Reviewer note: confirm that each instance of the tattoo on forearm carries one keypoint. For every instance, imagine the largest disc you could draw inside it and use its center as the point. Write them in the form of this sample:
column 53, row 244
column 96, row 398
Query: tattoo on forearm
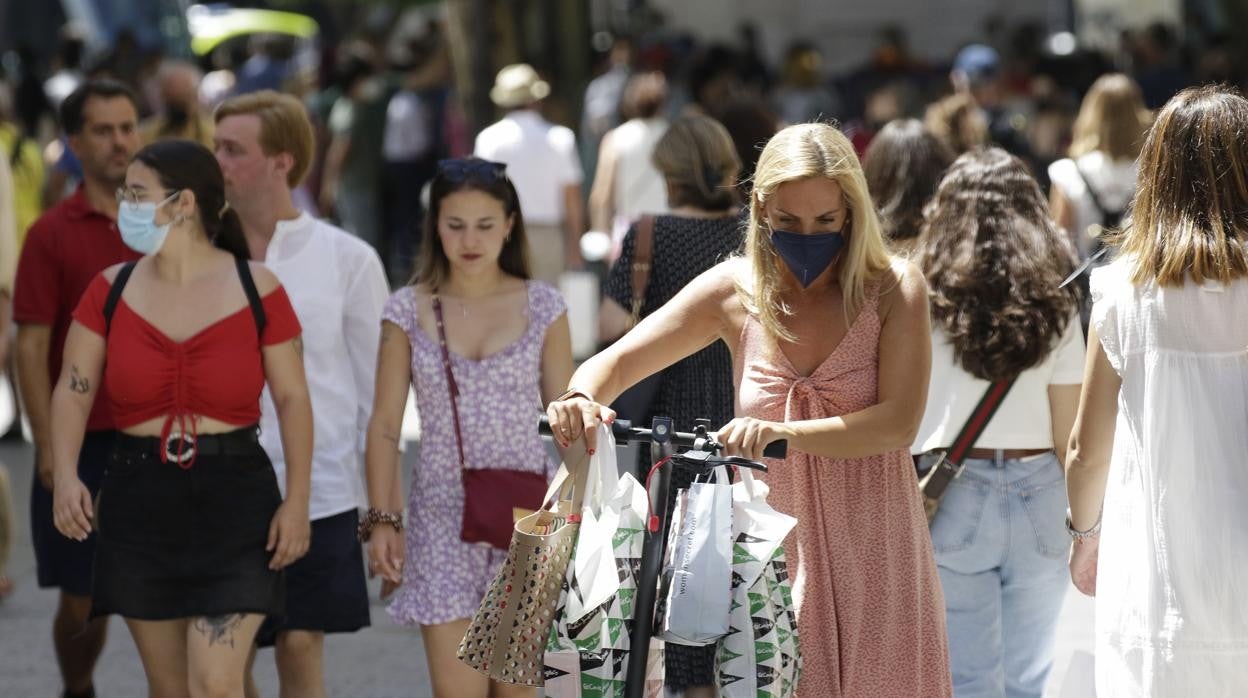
column 77, row 383
column 218, row 629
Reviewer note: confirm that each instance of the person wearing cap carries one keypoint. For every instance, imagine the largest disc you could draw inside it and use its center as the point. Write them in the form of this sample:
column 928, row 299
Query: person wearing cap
column 541, row 159
column 976, row 73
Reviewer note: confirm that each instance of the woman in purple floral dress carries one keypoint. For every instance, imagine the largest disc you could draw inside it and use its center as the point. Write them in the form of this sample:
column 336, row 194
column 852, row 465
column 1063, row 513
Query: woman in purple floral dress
column 510, row 353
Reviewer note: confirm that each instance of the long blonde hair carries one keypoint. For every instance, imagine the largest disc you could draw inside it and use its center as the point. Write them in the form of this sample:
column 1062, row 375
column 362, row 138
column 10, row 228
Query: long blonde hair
column 1189, row 219
column 1112, row 119
column 800, row 152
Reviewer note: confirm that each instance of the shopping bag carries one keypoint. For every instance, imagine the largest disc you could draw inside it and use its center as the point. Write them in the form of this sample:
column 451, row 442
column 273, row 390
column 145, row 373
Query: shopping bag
column 564, row 678
column 593, row 567
column 588, row 648
column 698, row 569
column 759, row 657
column 506, row 637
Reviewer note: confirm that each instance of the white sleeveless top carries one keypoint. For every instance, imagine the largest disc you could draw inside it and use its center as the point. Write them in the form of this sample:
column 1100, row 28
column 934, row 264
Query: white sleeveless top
column 1171, row 615
column 1113, row 181
column 639, row 188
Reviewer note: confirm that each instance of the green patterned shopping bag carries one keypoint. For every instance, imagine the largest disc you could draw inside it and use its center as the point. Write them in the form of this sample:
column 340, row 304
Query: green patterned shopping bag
column 587, row 651
column 759, row 657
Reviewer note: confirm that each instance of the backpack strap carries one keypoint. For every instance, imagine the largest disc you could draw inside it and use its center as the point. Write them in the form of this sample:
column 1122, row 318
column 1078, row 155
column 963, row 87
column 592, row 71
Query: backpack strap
column 1109, row 217
column 253, row 295
column 114, row 294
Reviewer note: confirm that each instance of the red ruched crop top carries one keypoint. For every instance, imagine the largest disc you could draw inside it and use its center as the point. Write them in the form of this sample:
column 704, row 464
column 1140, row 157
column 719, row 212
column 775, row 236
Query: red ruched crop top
column 217, row 373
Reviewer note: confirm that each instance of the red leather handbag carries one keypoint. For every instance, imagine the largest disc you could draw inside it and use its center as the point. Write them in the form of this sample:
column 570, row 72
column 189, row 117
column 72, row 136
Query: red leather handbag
column 494, row 498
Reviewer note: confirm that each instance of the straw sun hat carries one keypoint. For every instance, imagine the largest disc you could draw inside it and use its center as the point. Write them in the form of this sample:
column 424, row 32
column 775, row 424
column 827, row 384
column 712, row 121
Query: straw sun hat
column 518, row 85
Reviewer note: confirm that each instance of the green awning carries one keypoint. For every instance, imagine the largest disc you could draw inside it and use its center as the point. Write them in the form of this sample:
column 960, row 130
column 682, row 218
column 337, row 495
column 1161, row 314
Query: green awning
column 210, row 27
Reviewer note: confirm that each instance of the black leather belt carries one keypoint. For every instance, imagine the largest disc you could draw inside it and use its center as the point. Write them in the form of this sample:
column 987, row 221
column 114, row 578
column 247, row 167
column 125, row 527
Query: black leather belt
column 239, row 441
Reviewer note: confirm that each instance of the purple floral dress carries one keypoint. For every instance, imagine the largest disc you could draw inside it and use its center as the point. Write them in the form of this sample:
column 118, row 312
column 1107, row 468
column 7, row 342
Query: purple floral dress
column 444, row 579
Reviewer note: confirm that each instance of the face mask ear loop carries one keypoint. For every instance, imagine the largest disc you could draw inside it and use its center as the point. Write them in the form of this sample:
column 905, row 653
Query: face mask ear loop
column 173, row 219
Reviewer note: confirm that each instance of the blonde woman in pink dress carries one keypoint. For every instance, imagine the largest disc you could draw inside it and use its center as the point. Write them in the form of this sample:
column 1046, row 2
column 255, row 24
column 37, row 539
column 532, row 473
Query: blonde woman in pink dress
column 831, row 348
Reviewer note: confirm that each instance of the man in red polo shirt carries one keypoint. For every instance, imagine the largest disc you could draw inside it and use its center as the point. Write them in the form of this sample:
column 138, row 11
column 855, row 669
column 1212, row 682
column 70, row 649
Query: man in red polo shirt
column 64, row 250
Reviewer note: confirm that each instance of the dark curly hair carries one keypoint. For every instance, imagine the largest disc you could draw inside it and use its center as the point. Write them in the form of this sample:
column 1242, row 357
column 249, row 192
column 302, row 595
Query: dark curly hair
column 993, row 259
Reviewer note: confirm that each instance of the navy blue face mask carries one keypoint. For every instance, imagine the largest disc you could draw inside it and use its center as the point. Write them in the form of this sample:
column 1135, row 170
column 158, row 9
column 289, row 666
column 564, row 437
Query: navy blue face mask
column 808, row 256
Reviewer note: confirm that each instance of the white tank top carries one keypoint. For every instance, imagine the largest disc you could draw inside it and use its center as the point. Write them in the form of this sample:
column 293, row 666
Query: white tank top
column 639, row 188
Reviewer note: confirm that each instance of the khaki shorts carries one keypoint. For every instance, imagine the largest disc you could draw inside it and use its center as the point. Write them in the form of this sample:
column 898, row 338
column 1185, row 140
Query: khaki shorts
column 546, row 252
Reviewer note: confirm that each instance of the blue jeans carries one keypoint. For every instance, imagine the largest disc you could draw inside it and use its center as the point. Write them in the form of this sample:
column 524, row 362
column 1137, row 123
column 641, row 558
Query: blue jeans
column 1001, row 548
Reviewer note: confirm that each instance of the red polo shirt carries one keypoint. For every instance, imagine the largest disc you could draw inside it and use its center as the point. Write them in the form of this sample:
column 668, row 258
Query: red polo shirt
column 65, row 249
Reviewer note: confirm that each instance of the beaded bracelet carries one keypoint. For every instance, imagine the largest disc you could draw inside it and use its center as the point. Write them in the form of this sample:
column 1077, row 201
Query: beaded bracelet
column 375, row 516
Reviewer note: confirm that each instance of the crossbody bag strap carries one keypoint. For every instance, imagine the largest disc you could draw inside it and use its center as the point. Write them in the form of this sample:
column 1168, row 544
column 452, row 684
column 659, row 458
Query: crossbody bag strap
column 253, row 295
column 643, row 256
column 949, row 466
column 1097, row 203
column 451, row 385
column 114, row 294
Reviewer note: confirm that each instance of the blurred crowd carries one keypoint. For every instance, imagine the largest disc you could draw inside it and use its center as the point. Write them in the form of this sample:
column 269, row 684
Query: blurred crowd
column 386, row 107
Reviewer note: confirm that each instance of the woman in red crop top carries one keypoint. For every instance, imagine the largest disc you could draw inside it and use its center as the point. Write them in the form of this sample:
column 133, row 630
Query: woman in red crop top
column 192, row 529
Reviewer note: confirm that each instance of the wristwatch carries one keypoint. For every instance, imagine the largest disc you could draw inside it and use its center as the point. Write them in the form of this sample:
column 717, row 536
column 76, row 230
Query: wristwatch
column 1078, row 535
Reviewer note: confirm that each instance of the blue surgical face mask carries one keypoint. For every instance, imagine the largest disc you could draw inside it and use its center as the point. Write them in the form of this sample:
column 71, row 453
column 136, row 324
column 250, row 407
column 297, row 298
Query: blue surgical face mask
column 807, row 256
column 137, row 223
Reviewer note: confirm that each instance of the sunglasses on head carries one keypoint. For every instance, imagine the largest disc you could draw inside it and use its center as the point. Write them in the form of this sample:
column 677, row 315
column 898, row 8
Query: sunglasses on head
column 462, row 169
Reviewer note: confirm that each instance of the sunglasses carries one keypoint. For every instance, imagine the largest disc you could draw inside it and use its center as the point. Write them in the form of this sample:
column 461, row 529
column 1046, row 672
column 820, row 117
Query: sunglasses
column 462, row 169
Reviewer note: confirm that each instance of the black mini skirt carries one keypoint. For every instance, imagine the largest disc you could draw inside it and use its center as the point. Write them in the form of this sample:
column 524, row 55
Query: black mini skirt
column 179, row 542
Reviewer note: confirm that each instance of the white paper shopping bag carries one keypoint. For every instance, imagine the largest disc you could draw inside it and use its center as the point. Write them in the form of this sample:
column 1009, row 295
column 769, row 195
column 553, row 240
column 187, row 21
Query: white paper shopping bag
column 699, row 591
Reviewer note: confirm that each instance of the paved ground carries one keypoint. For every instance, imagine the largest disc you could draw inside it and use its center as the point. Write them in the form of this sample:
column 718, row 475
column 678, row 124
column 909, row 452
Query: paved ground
column 383, row 661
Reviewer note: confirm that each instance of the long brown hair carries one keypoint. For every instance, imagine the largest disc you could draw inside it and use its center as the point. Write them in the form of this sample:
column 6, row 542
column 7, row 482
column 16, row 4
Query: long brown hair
column 1112, row 119
column 434, row 267
column 903, row 166
column 994, row 259
column 1189, row 217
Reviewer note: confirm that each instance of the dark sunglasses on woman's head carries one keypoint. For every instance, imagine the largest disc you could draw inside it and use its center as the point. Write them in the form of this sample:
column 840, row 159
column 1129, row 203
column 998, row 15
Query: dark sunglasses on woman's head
column 461, row 169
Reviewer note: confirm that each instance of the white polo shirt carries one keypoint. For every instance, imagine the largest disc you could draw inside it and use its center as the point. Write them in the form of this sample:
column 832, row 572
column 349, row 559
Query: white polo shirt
column 337, row 287
column 541, row 161
column 1022, row 421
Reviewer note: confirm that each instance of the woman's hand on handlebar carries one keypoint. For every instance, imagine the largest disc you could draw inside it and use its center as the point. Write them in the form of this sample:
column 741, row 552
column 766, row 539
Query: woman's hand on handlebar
column 747, row 437
column 576, row 416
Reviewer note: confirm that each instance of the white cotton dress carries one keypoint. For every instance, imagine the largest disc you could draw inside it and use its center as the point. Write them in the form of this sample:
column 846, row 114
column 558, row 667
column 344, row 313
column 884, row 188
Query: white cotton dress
column 1172, row 579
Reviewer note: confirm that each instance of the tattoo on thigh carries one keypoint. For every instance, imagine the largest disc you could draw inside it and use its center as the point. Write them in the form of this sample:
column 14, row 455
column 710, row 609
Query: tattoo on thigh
column 77, row 383
column 218, row 629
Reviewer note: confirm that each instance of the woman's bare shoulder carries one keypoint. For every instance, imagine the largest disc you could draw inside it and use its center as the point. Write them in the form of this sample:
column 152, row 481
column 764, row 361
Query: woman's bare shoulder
column 901, row 283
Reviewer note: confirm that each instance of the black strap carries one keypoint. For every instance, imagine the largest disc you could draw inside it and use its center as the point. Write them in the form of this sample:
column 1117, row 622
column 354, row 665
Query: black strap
column 1109, row 218
column 114, row 294
column 253, row 296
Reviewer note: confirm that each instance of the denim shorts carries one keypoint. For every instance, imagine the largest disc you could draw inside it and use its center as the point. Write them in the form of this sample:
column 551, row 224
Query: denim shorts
column 62, row 562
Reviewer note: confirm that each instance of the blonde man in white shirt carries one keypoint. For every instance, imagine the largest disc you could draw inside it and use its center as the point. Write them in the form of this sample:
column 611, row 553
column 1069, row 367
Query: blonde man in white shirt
column 994, row 261
column 542, row 161
column 264, row 142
